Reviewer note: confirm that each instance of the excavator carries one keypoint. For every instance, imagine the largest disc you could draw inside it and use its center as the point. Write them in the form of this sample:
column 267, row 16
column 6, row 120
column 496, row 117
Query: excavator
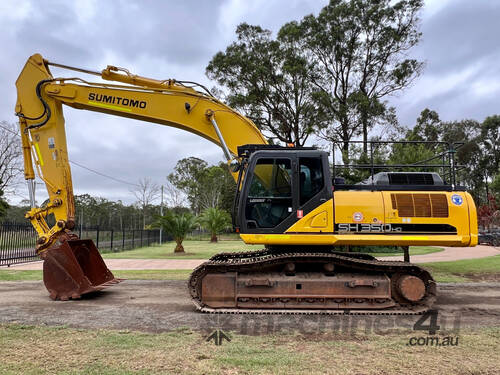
column 286, row 200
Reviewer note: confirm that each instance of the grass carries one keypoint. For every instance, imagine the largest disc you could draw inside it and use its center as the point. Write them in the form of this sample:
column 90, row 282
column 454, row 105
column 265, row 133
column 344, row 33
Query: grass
column 61, row 350
column 466, row 270
column 153, row 274
column 205, row 249
column 414, row 250
column 7, row 274
column 193, row 250
column 22, row 275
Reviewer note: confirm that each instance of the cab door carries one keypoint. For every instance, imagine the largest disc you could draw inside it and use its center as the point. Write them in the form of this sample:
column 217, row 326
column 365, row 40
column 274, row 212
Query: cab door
column 268, row 200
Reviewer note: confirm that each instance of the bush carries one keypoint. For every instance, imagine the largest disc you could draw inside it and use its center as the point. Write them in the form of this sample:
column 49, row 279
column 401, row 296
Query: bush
column 178, row 226
column 215, row 221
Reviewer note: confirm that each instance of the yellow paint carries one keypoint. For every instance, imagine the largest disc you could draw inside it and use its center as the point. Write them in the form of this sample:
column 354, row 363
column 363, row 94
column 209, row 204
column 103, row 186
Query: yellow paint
column 472, row 219
column 355, row 239
column 109, row 106
column 376, row 207
column 40, row 159
column 367, row 203
column 318, row 220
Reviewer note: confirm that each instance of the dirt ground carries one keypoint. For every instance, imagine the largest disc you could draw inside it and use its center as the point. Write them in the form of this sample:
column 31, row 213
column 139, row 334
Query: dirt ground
column 158, row 306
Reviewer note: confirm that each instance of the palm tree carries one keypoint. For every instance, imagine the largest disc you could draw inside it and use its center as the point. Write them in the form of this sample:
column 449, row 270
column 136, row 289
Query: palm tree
column 178, row 226
column 215, row 221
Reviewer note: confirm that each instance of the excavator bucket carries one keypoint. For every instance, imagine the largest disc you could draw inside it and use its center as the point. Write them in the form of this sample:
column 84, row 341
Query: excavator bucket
column 74, row 268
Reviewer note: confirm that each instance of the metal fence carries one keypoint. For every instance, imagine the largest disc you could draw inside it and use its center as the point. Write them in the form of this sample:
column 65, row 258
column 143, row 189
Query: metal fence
column 17, row 241
column 17, row 244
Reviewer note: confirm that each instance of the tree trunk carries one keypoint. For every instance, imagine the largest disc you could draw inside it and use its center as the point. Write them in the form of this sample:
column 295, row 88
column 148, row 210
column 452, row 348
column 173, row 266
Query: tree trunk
column 179, row 248
column 345, row 152
column 213, row 238
column 365, row 134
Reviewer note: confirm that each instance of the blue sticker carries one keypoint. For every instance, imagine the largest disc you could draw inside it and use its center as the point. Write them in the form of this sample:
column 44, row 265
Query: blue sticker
column 457, row 199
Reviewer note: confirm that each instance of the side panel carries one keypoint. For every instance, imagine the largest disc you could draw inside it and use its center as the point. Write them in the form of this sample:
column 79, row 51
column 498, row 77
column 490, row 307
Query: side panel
column 363, row 207
column 383, row 218
column 319, row 220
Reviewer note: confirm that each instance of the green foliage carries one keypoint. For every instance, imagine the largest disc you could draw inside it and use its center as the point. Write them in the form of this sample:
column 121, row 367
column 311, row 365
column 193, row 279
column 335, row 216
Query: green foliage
column 359, row 50
column 228, row 189
column 178, row 226
column 205, row 186
column 412, row 154
column 186, row 177
column 3, row 205
column 270, row 80
column 101, row 212
column 215, row 221
column 495, row 187
column 490, row 139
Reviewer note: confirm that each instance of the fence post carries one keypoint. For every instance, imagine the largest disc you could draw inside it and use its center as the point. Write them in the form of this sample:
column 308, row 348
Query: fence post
column 133, row 237
column 97, row 237
column 142, row 232
column 123, row 239
column 111, row 248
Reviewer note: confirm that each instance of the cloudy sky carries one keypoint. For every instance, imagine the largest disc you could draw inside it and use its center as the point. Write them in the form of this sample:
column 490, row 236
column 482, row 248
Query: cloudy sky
column 176, row 39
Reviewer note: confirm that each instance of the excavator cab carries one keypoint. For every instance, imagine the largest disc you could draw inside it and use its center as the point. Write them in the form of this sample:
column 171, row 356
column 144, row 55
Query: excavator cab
column 281, row 185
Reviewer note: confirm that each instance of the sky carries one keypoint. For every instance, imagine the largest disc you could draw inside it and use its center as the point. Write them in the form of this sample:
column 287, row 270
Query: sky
column 177, row 39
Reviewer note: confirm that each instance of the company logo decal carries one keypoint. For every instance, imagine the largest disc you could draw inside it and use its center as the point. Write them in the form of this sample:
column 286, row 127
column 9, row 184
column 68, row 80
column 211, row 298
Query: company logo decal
column 357, row 216
column 457, row 200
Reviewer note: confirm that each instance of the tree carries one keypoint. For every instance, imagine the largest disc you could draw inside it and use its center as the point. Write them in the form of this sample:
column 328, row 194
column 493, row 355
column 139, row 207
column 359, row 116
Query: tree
column 490, row 140
column 270, row 80
column 205, row 186
column 174, row 197
column 212, row 186
column 10, row 156
column 427, row 128
column 228, row 189
column 215, row 221
column 186, row 177
column 3, row 205
column 178, row 226
column 495, row 187
column 487, row 213
column 146, row 192
column 359, row 48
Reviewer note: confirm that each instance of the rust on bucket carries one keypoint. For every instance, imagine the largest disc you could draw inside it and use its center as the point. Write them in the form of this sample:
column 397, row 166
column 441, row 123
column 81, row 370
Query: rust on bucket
column 73, row 268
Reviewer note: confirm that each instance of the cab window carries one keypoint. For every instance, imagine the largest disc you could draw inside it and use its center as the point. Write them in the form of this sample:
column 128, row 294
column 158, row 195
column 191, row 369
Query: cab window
column 269, row 199
column 311, row 178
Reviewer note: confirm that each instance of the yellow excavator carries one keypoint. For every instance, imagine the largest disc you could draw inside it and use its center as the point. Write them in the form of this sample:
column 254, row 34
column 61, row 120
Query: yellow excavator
column 285, row 200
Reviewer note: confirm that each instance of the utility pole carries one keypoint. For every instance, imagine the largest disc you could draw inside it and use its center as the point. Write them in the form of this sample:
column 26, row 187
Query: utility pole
column 81, row 220
column 161, row 213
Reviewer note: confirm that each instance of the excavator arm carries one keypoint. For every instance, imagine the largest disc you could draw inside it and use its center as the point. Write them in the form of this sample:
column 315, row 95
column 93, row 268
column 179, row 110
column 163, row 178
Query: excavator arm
column 168, row 102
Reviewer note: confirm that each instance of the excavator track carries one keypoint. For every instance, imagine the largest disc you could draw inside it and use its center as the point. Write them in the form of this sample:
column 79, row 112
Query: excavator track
column 261, row 271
